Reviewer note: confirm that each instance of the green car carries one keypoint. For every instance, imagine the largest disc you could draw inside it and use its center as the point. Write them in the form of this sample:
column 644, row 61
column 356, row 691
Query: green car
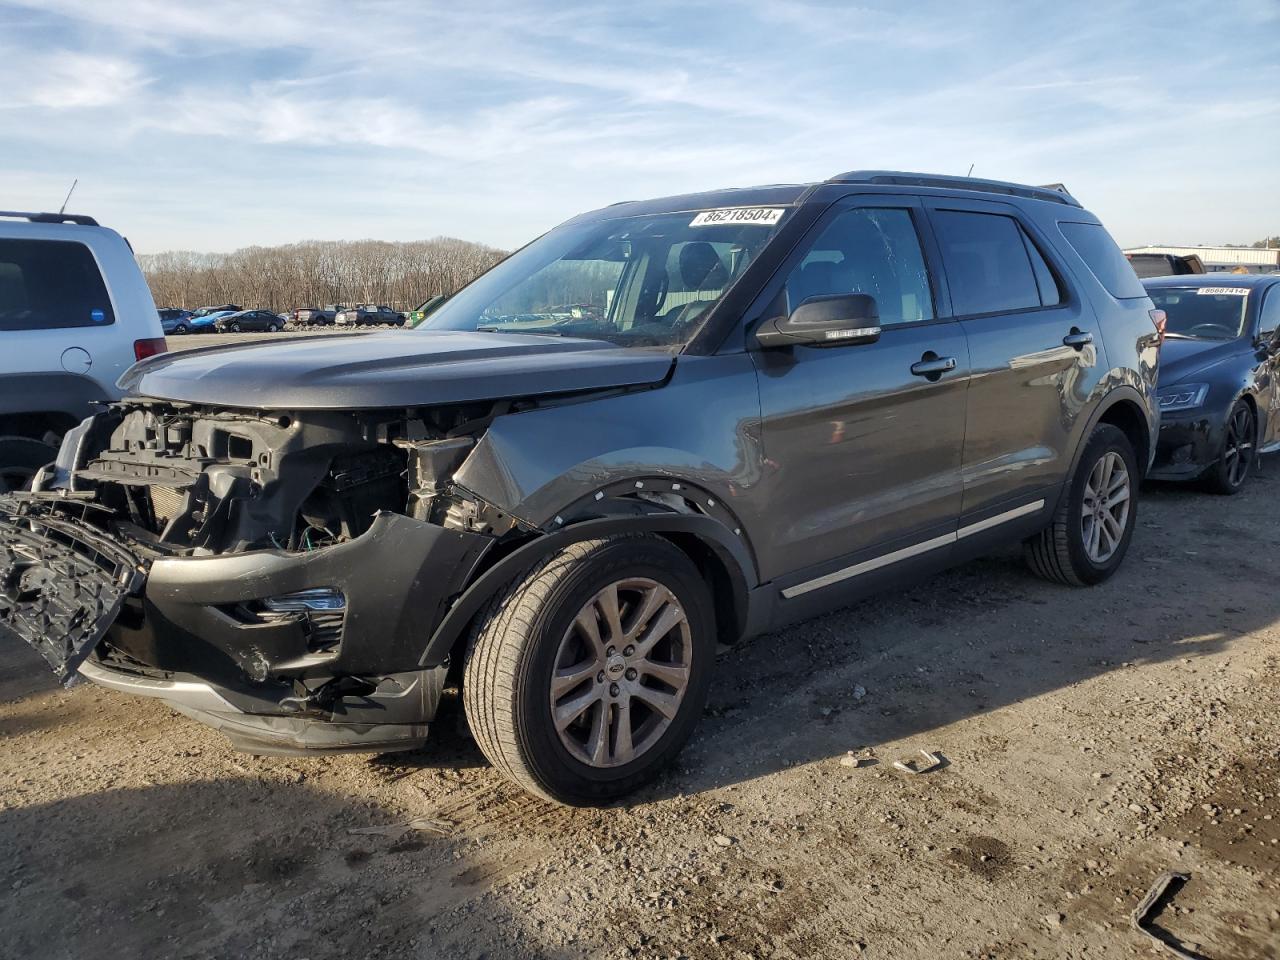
column 417, row 315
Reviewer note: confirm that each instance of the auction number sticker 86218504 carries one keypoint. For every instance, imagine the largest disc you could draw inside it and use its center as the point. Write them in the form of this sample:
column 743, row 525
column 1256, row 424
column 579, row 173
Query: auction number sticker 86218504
column 764, row 216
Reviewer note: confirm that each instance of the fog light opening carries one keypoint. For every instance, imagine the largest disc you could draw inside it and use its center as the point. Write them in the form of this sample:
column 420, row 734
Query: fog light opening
column 317, row 599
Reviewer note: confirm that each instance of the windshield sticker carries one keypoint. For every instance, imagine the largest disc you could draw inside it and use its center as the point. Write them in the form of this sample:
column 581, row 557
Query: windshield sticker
column 1223, row 291
column 763, row 216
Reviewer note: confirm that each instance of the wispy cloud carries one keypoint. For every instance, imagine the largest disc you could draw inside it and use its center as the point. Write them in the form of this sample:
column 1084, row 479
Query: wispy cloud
column 234, row 121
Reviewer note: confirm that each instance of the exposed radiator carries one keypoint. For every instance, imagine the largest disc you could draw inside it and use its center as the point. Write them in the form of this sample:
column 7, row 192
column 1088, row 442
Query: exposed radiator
column 166, row 502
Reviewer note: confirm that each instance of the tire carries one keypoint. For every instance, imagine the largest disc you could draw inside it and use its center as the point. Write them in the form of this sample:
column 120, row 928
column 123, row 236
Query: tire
column 531, row 631
column 1239, row 445
column 1060, row 553
column 235, row 327
column 180, row 329
column 273, row 328
column 20, row 458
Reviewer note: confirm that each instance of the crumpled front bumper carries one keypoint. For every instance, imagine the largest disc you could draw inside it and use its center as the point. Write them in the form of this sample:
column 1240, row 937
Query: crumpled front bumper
column 1186, row 446
column 184, row 630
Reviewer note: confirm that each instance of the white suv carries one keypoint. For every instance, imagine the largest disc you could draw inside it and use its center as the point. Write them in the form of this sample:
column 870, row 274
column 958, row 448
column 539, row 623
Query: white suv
column 75, row 313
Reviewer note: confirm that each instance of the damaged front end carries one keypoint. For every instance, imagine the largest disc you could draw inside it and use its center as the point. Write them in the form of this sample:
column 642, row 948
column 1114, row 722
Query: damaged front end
column 275, row 574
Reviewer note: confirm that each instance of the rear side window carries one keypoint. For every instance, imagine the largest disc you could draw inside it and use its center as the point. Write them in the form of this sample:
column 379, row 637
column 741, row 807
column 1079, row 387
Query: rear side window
column 988, row 265
column 51, row 284
column 1104, row 259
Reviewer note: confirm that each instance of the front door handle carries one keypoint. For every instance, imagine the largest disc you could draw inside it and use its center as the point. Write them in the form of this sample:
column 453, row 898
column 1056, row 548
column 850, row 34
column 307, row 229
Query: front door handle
column 1077, row 338
column 933, row 366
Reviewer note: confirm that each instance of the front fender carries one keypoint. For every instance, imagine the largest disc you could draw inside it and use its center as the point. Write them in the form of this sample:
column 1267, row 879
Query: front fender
column 728, row 547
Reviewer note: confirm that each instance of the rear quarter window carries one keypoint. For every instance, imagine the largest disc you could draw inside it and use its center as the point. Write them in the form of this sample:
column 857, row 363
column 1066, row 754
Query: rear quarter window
column 50, row 285
column 1104, row 259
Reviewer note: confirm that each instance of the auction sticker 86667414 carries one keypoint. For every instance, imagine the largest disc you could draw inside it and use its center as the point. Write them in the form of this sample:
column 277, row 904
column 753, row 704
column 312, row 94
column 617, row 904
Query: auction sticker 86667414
column 764, row 216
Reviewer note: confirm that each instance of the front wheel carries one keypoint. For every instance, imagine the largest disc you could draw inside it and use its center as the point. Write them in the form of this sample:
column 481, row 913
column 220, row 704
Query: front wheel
column 1090, row 532
column 585, row 679
column 1228, row 475
column 180, row 329
column 273, row 328
column 235, row 327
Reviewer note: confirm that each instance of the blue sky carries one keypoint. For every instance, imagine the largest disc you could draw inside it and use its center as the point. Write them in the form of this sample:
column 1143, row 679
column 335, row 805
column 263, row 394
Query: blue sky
column 224, row 123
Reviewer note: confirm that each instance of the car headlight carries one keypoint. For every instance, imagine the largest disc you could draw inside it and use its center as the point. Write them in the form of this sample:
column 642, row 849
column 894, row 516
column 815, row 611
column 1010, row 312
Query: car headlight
column 1182, row 396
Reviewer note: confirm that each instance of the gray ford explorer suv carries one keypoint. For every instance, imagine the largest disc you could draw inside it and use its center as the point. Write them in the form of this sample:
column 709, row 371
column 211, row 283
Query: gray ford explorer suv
column 766, row 403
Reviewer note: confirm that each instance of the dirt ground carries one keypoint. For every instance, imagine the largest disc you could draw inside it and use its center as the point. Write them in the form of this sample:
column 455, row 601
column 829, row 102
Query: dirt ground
column 1092, row 740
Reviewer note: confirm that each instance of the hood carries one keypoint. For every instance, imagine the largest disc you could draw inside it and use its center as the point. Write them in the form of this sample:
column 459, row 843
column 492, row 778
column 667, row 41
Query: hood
column 399, row 369
column 1182, row 360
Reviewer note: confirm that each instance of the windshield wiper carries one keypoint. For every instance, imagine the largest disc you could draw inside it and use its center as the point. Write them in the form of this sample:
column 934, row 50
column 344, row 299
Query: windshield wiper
column 502, row 328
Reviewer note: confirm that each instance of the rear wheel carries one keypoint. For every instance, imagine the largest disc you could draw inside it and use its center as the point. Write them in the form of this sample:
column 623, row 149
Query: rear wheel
column 180, row 329
column 1090, row 532
column 1228, row 475
column 20, row 458
column 585, row 679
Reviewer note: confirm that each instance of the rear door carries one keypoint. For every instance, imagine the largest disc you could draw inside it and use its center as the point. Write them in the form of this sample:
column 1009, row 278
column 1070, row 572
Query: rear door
column 1035, row 351
column 863, row 443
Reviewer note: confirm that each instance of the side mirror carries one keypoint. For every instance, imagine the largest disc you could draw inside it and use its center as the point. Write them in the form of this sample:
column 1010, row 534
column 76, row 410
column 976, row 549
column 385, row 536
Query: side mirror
column 833, row 321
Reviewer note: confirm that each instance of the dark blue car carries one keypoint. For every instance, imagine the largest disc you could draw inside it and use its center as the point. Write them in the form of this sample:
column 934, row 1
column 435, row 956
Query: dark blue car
column 1218, row 368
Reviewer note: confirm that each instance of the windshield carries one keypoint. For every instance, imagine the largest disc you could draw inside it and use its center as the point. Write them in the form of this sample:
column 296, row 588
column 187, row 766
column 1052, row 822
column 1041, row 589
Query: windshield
column 634, row 281
column 1202, row 313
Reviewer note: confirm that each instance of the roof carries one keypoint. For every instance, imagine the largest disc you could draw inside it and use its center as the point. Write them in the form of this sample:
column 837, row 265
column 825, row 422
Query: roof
column 1258, row 256
column 789, row 193
column 1219, row 279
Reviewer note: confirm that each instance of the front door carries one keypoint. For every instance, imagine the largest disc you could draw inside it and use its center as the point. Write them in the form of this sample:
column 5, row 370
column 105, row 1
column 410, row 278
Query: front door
column 862, row 443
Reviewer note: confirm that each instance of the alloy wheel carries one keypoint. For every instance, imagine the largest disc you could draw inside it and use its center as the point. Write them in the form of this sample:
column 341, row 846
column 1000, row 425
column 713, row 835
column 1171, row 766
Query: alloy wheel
column 1237, row 454
column 620, row 672
column 1105, row 510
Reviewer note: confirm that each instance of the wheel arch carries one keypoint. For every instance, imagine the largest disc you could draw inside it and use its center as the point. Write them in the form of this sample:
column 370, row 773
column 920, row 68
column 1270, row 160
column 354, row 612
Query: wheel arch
column 719, row 553
column 1122, row 408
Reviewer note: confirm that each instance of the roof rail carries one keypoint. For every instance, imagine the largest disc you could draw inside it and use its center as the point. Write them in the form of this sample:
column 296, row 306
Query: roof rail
column 1056, row 193
column 51, row 217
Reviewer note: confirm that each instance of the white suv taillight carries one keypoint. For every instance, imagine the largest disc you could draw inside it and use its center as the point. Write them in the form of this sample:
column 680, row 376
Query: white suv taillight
column 149, row 347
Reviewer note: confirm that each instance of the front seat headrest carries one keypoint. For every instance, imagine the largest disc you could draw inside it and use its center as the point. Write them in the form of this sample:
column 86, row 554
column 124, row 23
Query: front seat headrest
column 701, row 268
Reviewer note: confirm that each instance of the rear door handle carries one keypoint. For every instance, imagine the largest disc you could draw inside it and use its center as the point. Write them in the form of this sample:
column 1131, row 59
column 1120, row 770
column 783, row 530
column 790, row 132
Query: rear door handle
column 1078, row 339
column 933, row 366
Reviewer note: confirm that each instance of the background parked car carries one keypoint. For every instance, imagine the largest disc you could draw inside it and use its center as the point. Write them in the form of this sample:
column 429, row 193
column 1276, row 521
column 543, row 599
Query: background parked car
column 69, row 339
column 203, row 320
column 174, row 320
column 1218, row 392
column 1163, row 264
column 221, row 308
column 249, row 320
column 317, row 316
column 363, row 314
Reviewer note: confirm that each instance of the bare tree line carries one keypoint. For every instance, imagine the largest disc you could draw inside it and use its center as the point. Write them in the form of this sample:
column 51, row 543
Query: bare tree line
column 317, row 272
